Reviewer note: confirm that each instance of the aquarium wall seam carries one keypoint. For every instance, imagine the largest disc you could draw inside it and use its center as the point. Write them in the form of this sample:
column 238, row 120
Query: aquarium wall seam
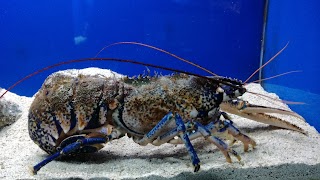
column 265, row 17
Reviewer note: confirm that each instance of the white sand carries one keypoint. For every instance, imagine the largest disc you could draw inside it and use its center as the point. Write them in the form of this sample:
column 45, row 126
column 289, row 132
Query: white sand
column 279, row 154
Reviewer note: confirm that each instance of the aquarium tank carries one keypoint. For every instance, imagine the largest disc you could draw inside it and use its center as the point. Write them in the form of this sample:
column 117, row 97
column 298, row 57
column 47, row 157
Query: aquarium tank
column 230, row 38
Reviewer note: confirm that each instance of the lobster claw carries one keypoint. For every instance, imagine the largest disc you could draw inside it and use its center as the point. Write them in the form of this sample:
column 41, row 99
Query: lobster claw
column 257, row 113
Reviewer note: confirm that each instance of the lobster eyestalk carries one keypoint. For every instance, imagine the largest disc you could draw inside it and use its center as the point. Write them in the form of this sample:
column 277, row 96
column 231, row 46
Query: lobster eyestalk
column 258, row 113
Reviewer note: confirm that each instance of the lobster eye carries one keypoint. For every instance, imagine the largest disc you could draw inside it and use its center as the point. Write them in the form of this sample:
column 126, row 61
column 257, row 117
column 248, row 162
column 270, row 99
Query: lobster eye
column 230, row 91
column 242, row 90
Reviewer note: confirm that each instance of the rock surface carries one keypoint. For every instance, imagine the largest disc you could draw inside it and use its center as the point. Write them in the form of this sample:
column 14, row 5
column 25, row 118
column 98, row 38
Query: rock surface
column 10, row 108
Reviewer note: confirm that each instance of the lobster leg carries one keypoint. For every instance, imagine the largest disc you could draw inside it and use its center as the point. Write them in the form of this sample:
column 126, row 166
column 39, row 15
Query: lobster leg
column 215, row 129
column 179, row 130
column 72, row 147
column 184, row 136
column 222, row 146
column 226, row 125
column 151, row 135
column 246, row 140
column 206, row 132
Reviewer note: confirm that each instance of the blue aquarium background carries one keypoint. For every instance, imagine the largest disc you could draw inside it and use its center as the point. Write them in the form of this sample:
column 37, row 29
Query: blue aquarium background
column 296, row 22
column 228, row 37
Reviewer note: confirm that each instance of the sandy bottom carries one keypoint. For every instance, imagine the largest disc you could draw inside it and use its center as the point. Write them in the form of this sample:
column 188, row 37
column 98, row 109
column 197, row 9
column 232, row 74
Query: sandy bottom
column 280, row 154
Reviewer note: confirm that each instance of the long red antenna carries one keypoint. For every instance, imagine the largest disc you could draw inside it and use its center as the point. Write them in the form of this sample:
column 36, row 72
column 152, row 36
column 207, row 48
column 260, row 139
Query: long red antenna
column 266, row 63
column 100, row 59
column 161, row 50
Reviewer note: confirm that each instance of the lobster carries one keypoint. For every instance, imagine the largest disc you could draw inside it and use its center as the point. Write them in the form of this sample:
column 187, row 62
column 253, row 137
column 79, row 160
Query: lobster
column 79, row 113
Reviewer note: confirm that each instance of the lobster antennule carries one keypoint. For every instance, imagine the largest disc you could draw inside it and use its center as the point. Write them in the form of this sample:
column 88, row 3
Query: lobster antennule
column 257, row 113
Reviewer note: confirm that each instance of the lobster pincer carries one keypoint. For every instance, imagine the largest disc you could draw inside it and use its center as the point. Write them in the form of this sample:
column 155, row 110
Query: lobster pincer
column 258, row 113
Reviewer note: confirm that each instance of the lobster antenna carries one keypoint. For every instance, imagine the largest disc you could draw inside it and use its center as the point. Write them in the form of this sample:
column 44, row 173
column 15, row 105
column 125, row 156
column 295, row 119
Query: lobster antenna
column 161, row 50
column 255, row 72
column 260, row 80
column 102, row 59
column 267, row 98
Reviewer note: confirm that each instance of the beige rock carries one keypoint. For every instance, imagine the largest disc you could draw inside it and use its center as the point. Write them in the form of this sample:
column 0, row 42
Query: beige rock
column 10, row 109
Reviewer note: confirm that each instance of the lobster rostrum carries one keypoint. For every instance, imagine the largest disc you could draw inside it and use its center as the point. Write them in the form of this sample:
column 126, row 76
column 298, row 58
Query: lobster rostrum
column 80, row 113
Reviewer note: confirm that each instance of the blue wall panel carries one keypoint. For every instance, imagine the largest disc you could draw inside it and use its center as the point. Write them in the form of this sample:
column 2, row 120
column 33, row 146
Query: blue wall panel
column 221, row 35
column 296, row 21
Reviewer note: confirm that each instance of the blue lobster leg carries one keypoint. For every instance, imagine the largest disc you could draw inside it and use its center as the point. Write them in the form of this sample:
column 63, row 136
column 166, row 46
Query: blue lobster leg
column 169, row 137
column 217, row 128
column 179, row 130
column 72, row 147
column 151, row 135
column 200, row 130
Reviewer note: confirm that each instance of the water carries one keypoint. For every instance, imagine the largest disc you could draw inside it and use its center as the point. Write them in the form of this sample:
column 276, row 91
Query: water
column 206, row 32
column 223, row 36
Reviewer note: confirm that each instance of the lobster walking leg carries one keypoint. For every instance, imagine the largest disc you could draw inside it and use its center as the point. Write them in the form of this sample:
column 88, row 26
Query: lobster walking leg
column 217, row 128
column 72, row 147
column 200, row 130
column 184, row 136
column 235, row 132
column 179, row 130
column 214, row 130
column 151, row 135
column 222, row 146
column 242, row 137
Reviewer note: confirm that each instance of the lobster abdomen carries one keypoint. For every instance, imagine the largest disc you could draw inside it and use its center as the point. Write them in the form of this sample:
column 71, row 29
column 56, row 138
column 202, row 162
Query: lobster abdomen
column 68, row 105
